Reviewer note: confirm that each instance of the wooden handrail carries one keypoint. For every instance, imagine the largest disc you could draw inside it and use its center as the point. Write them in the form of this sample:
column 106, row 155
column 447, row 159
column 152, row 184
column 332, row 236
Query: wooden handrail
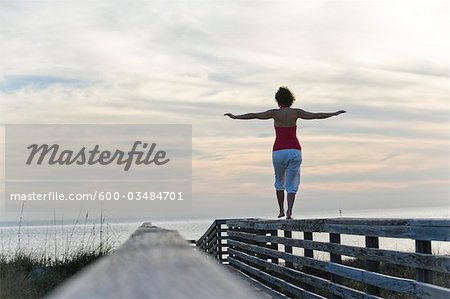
column 153, row 263
column 267, row 250
column 416, row 229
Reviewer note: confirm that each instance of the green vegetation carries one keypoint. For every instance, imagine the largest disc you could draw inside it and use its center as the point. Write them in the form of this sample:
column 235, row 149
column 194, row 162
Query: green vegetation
column 26, row 275
column 33, row 274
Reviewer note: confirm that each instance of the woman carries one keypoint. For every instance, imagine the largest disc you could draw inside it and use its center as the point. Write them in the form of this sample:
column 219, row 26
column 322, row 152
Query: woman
column 286, row 151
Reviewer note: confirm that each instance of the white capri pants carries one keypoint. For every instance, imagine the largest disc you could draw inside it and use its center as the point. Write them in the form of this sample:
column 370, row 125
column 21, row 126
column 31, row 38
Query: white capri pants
column 286, row 164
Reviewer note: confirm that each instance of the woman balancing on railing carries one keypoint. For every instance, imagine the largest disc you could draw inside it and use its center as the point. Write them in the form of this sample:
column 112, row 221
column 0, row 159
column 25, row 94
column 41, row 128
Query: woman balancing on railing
column 287, row 152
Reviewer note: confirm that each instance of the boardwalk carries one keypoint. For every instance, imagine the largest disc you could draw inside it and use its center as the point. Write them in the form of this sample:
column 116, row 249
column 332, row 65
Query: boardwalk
column 256, row 258
column 267, row 251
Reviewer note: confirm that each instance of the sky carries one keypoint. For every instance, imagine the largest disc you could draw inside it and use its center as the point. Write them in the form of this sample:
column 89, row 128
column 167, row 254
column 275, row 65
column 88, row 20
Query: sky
column 189, row 62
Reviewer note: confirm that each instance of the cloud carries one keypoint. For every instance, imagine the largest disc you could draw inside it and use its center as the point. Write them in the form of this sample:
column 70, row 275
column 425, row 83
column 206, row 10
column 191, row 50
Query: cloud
column 167, row 62
column 420, row 68
column 14, row 83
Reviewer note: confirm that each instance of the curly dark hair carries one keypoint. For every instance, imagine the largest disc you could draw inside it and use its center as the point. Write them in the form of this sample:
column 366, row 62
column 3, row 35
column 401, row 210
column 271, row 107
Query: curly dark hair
column 284, row 97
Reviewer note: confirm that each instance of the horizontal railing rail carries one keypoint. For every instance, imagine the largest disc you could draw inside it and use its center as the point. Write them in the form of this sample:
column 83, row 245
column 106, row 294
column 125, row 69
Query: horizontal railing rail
column 153, row 263
column 283, row 254
column 214, row 240
column 211, row 241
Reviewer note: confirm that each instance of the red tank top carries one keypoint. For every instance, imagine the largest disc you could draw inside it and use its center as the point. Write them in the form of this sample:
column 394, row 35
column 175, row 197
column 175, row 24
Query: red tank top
column 286, row 138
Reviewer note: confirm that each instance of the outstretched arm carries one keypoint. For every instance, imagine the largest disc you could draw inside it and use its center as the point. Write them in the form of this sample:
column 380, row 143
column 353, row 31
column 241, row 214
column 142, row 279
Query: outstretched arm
column 319, row 115
column 259, row 115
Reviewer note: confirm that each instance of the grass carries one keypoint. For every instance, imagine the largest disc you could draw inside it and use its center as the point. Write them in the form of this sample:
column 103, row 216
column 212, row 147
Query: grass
column 30, row 274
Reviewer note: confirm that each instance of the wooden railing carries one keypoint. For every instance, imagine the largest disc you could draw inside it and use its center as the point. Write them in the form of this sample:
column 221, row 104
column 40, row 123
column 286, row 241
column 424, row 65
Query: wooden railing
column 214, row 240
column 153, row 263
column 273, row 252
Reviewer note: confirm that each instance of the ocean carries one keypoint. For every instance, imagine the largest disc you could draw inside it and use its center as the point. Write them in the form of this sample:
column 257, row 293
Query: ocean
column 59, row 237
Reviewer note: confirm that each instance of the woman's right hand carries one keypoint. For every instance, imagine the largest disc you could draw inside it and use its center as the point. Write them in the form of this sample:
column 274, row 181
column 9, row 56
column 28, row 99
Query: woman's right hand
column 230, row 115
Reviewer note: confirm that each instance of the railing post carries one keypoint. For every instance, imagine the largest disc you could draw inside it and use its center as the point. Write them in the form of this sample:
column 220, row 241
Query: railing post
column 274, row 233
column 222, row 240
column 422, row 274
column 373, row 266
column 308, row 253
column 207, row 245
column 287, row 248
column 308, row 236
column 231, row 228
column 262, row 244
column 335, row 258
column 218, row 243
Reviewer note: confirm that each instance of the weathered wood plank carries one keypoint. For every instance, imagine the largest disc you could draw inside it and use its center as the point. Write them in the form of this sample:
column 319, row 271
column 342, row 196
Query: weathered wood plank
column 212, row 242
column 419, row 289
column 394, row 228
column 153, row 263
column 430, row 233
column 269, row 293
column 274, row 281
column 438, row 263
column 321, row 283
column 353, row 221
column 380, row 280
column 428, row 291
column 207, row 233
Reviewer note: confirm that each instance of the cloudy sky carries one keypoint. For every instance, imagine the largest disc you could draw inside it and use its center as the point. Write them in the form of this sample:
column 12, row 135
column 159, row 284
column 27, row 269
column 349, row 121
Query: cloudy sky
column 165, row 62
